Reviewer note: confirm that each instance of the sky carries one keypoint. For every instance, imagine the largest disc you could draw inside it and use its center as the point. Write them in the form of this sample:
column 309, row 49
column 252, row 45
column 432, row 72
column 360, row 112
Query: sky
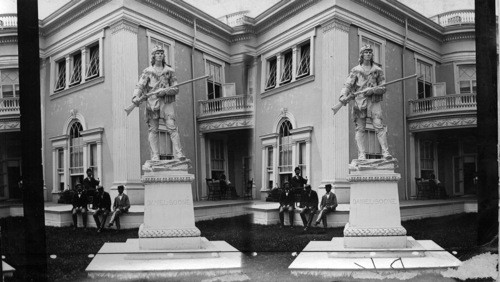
column 218, row 8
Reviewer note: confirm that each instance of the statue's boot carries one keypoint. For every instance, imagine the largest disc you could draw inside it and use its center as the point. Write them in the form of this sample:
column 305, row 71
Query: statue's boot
column 360, row 142
column 382, row 139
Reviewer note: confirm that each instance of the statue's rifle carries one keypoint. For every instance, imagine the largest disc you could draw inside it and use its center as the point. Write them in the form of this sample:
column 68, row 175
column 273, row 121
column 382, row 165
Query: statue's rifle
column 337, row 107
column 132, row 106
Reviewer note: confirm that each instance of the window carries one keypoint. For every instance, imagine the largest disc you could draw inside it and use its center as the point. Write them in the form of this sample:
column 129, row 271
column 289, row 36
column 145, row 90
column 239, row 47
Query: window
column 217, row 158
column 9, row 83
column 270, row 166
column 424, row 79
column 76, row 69
column 77, row 66
column 302, row 158
column 60, row 169
column 288, row 63
column 76, row 149
column 93, row 62
column 168, row 45
column 166, row 48
column 214, row 82
column 286, row 67
column 93, row 158
column 373, row 149
column 303, row 59
column 271, row 73
column 60, row 75
column 467, row 79
column 426, row 159
column 285, row 152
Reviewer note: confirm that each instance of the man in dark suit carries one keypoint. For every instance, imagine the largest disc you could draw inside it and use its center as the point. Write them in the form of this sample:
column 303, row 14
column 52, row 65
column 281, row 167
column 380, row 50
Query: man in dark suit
column 328, row 204
column 102, row 206
column 287, row 202
column 79, row 206
column 309, row 205
column 120, row 206
column 297, row 180
column 90, row 183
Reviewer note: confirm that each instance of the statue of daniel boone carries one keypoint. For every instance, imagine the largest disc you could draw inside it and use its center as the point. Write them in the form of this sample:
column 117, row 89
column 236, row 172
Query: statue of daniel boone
column 159, row 78
column 368, row 76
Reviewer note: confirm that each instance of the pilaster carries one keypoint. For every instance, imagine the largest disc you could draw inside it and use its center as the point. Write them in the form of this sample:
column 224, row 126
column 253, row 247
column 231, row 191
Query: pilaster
column 126, row 141
column 335, row 129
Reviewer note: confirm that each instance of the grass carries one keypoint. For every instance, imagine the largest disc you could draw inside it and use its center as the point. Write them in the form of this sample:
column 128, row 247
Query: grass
column 273, row 246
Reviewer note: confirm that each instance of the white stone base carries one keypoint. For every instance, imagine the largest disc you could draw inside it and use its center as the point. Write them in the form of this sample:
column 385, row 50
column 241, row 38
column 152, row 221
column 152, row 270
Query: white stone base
column 332, row 259
column 128, row 261
column 382, row 242
column 179, row 243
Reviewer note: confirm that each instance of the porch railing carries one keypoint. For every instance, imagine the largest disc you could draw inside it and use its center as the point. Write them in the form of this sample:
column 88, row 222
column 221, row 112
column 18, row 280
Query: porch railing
column 443, row 103
column 455, row 17
column 8, row 20
column 238, row 103
column 9, row 106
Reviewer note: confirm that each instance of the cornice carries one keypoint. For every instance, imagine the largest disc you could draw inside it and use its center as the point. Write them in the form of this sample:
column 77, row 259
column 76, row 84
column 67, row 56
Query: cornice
column 188, row 19
column 394, row 15
column 10, row 124
column 8, row 40
column 227, row 124
column 67, row 18
column 282, row 15
column 337, row 23
column 470, row 35
column 124, row 25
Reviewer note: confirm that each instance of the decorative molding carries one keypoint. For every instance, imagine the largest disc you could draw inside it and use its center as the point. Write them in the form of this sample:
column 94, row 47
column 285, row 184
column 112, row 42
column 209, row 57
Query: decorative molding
column 124, row 25
column 69, row 17
column 225, row 124
column 433, row 124
column 168, row 233
column 368, row 232
column 338, row 24
column 374, row 178
column 169, row 178
column 8, row 40
column 459, row 36
column 8, row 125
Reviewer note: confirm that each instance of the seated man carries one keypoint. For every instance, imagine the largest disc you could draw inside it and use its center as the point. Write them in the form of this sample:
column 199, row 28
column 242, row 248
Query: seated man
column 287, row 202
column 79, row 202
column 120, row 206
column 309, row 205
column 328, row 204
column 102, row 205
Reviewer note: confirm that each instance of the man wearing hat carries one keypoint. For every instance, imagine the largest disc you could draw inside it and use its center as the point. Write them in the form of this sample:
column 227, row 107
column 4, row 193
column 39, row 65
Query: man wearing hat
column 160, row 78
column 366, row 75
column 79, row 206
column 102, row 206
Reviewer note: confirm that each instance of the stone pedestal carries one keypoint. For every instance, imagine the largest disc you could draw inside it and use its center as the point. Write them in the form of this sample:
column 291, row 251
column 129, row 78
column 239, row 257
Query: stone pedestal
column 374, row 217
column 168, row 210
column 169, row 243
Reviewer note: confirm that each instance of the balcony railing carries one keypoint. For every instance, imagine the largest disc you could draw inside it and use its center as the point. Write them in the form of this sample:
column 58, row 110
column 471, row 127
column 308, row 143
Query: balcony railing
column 455, row 102
column 233, row 104
column 9, row 106
column 455, row 17
column 8, row 20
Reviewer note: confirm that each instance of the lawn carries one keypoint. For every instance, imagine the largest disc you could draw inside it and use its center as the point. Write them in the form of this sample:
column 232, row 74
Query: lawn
column 267, row 250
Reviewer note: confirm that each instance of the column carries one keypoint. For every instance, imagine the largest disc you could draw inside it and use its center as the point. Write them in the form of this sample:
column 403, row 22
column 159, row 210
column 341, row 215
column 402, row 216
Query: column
column 55, row 159
column 412, row 167
column 84, row 64
column 294, row 63
column 85, row 158
column 68, row 61
column 308, row 160
column 126, row 138
column 203, row 167
column 335, row 129
column 66, row 168
column 99, row 161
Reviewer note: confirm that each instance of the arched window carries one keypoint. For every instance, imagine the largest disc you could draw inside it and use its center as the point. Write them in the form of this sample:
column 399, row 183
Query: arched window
column 285, row 151
column 76, row 151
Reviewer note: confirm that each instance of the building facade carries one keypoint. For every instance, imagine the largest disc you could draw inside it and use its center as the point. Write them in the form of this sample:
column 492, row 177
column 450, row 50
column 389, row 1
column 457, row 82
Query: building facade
column 266, row 107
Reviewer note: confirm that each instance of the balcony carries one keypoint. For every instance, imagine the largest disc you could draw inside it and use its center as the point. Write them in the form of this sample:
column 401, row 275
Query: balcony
column 444, row 112
column 458, row 17
column 9, row 106
column 226, row 113
column 8, row 21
